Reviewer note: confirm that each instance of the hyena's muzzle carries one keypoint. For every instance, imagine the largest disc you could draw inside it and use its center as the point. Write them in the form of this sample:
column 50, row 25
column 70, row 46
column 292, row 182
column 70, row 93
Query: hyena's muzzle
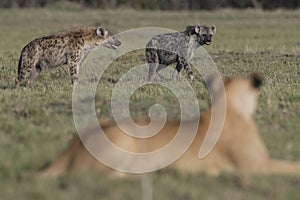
column 207, row 39
column 112, row 43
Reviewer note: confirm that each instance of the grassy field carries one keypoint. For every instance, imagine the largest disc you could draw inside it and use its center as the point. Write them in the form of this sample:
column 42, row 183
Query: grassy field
column 36, row 122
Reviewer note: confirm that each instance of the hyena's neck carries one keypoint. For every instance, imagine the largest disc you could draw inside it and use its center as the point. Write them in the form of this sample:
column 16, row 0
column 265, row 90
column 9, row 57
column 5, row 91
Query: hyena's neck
column 193, row 43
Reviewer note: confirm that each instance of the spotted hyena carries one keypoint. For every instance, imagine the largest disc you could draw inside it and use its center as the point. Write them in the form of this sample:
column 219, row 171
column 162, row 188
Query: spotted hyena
column 69, row 47
column 165, row 49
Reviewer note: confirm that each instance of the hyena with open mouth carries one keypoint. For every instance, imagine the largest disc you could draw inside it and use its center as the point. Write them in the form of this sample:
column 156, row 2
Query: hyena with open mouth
column 69, row 47
column 165, row 49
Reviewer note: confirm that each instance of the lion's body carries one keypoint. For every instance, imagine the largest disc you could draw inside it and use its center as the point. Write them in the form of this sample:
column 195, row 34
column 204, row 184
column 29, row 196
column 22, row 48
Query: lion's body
column 239, row 148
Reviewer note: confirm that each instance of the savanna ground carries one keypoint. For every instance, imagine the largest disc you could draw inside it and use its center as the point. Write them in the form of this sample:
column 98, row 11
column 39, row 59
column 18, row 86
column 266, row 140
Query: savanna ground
column 36, row 122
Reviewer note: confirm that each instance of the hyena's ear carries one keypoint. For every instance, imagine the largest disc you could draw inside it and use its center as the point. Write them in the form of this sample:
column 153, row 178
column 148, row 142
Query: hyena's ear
column 214, row 29
column 100, row 31
column 190, row 30
column 197, row 29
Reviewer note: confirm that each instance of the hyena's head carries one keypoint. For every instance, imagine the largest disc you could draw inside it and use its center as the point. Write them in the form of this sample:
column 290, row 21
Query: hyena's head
column 105, row 38
column 203, row 34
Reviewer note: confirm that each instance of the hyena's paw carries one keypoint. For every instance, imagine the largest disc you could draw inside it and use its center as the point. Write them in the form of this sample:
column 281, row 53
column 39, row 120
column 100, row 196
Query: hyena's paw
column 17, row 83
column 191, row 76
column 74, row 81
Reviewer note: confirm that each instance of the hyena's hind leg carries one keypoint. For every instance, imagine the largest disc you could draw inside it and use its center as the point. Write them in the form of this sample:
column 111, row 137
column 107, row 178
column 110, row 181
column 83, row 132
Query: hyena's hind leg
column 152, row 59
column 35, row 73
column 152, row 69
column 25, row 68
column 160, row 67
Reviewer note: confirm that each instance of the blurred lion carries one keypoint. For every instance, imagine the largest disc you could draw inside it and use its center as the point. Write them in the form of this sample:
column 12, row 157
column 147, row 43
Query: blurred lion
column 239, row 148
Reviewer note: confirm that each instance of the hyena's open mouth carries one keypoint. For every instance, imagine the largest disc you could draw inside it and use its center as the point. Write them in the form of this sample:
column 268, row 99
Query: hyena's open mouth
column 113, row 44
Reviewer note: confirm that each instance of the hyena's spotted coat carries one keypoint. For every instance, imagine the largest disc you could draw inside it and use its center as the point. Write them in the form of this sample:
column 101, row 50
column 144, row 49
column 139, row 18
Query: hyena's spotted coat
column 69, row 47
column 165, row 49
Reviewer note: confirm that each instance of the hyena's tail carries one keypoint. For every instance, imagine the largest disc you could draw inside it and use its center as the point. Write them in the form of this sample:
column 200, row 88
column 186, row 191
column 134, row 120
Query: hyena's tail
column 18, row 79
column 20, row 63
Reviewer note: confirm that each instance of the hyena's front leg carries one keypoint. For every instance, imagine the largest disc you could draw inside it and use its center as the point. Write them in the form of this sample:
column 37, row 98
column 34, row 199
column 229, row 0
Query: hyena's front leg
column 189, row 71
column 182, row 63
column 74, row 68
column 74, row 63
column 177, row 70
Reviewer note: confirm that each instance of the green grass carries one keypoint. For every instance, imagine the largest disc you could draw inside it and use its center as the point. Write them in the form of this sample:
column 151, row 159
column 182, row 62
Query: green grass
column 36, row 122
